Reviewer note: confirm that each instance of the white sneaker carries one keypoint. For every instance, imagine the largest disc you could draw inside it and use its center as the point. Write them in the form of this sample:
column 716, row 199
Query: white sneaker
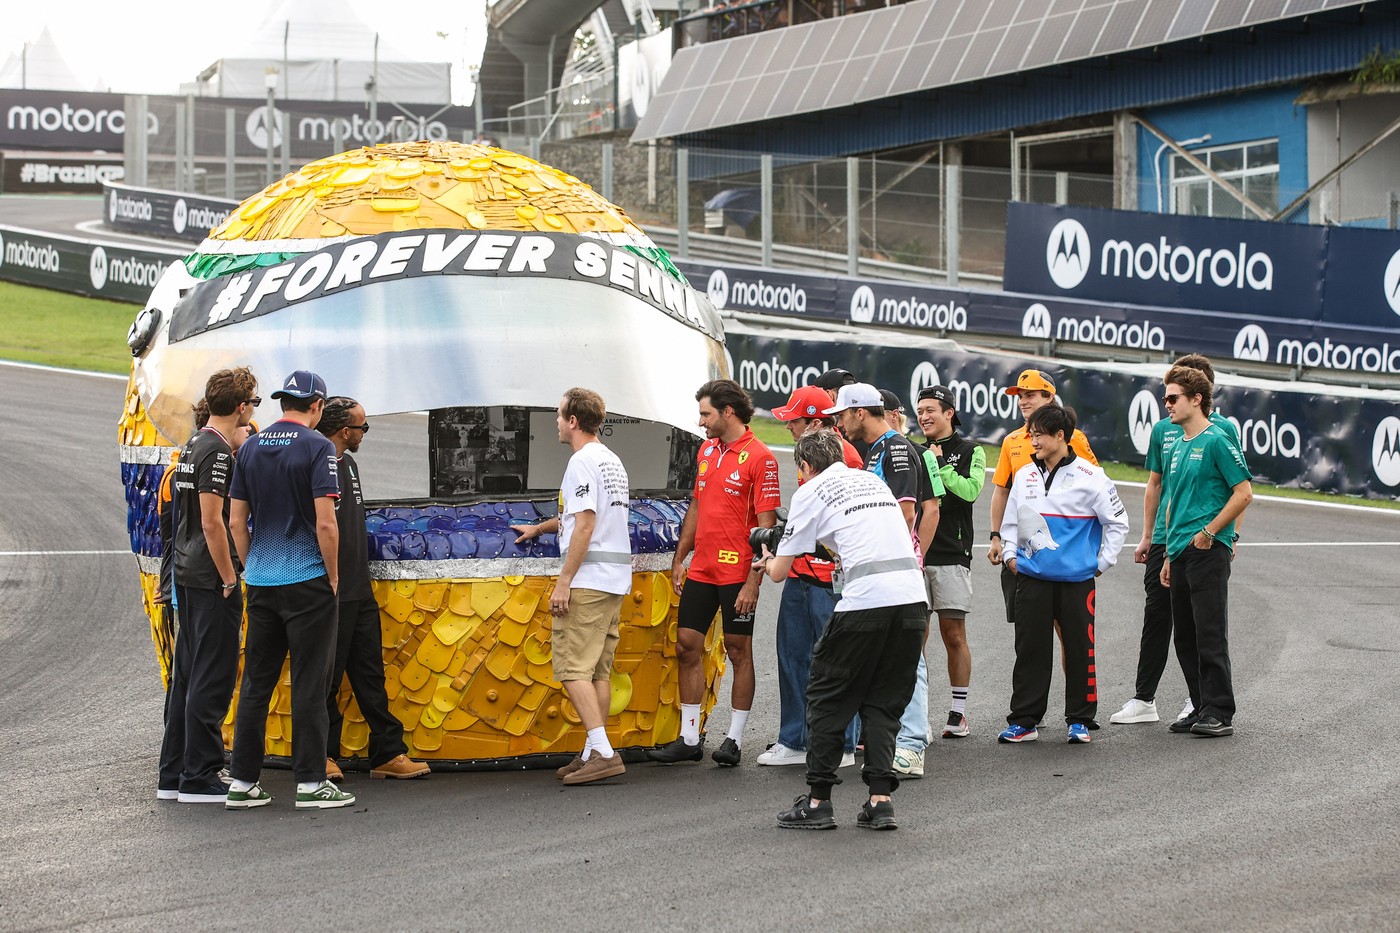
column 909, row 762
column 847, row 760
column 1188, row 709
column 780, row 754
column 1136, row 710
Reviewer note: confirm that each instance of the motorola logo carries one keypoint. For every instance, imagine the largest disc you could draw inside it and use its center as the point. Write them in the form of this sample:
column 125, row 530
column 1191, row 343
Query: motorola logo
column 925, row 375
column 1143, row 413
column 97, row 268
column 718, row 289
column 180, row 215
column 1385, row 450
column 262, row 126
column 1067, row 253
column 1392, row 282
column 863, row 305
column 1036, row 324
column 1252, row 343
column 641, row 82
column 111, row 207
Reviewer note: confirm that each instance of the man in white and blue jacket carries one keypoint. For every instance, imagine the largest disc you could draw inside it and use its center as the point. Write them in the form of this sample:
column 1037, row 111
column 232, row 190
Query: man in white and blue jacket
column 1064, row 525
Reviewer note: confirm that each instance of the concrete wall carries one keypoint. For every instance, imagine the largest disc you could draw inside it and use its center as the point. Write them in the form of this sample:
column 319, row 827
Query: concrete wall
column 1361, row 195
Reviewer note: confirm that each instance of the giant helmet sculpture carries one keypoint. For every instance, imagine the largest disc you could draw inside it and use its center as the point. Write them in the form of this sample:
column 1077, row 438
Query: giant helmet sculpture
column 476, row 285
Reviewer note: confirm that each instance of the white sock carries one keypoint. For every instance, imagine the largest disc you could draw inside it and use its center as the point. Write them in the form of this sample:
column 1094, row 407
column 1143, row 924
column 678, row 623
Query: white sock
column 736, row 726
column 241, row 786
column 306, row 787
column 690, row 723
column 587, row 746
column 598, row 740
column 959, row 700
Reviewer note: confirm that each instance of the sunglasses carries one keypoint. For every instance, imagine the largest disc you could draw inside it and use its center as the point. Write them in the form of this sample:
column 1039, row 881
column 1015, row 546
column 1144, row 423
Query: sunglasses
column 362, row 428
column 1171, row 398
column 255, row 401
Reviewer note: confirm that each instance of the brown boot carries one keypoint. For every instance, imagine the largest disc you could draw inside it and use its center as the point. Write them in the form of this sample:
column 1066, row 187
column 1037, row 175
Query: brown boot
column 597, row 768
column 333, row 772
column 402, row 768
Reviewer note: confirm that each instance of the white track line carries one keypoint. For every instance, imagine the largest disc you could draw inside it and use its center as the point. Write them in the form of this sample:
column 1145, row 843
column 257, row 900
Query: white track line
column 58, row 553
column 59, row 369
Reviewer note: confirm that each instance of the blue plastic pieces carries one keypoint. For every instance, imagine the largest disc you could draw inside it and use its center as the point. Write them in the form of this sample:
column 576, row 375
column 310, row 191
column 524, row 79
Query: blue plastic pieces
column 433, row 532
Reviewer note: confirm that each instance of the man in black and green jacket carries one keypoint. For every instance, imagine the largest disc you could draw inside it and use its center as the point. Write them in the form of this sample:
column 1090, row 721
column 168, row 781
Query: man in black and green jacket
column 962, row 466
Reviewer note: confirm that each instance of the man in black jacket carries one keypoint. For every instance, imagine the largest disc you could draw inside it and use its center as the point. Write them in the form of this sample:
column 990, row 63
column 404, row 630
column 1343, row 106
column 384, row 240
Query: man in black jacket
column 962, row 466
column 357, row 643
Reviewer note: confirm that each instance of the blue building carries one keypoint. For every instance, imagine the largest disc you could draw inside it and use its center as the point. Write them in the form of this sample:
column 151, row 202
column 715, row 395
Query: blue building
column 1164, row 97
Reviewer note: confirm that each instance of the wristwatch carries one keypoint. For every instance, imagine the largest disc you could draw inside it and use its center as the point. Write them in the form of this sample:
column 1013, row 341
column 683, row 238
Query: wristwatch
column 995, row 534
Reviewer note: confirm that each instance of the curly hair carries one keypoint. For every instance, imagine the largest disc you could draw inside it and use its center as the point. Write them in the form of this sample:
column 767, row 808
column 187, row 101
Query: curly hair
column 336, row 414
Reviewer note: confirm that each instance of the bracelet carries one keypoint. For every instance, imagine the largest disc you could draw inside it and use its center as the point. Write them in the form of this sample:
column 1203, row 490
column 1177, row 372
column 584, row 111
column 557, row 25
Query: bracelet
column 229, row 586
column 1206, row 532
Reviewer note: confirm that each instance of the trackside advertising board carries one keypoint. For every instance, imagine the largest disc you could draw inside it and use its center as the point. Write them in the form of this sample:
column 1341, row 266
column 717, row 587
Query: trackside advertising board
column 1345, row 444
column 1340, row 276
column 166, row 214
column 85, row 267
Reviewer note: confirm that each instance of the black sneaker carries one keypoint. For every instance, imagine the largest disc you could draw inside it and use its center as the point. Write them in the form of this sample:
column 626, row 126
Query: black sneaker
column 877, row 816
column 1212, row 727
column 727, row 755
column 678, row 751
column 1185, row 723
column 957, row 726
column 805, row 816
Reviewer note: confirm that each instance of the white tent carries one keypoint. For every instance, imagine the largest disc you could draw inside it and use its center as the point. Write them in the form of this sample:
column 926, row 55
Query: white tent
column 40, row 66
column 322, row 51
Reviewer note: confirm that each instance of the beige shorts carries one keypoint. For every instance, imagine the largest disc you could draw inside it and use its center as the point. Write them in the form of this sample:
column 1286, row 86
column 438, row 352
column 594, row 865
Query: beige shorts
column 585, row 638
column 949, row 590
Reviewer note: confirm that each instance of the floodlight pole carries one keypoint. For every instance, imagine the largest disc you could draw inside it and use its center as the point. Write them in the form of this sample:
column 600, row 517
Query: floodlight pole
column 270, row 77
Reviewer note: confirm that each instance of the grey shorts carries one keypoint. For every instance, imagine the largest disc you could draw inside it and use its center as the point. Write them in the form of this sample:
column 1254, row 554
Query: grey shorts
column 949, row 590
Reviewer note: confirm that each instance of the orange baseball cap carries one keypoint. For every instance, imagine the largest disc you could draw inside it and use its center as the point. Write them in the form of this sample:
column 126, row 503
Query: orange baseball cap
column 806, row 402
column 1032, row 380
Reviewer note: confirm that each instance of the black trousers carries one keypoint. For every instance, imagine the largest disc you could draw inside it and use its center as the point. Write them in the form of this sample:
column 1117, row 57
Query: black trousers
column 300, row 618
column 1156, row 626
column 202, row 675
column 1200, row 611
column 1038, row 604
column 358, row 655
column 865, row 662
column 1008, row 592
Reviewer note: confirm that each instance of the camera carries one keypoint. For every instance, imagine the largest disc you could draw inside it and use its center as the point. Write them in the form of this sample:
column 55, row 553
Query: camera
column 758, row 537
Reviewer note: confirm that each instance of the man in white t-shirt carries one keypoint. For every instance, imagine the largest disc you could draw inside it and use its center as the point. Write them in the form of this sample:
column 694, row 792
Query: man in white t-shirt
column 597, row 574
column 866, row 660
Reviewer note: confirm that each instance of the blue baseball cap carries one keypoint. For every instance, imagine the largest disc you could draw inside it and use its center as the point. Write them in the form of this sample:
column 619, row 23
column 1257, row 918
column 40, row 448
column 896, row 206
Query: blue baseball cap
column 302, row 384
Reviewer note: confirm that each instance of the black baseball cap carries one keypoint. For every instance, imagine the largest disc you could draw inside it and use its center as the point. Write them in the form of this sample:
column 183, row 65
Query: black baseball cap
column 944, row 395
column 833, row 379
column 891, row 401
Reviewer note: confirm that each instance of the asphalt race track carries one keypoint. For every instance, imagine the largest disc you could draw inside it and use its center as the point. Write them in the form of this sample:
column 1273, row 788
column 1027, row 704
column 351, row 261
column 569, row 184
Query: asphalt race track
column 1292, row 823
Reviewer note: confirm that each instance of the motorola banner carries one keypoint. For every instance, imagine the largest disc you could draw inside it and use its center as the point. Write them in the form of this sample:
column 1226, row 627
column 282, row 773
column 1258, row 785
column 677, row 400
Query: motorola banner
column 313, row 125
column 1339, row 444
column 164, row 214
column 85, row 267
column 1167, row 260
column 74, row 120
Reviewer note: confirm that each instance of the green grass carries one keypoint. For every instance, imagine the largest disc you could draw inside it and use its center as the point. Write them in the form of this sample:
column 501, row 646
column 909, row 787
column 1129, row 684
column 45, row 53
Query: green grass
column 58, row 329
column 772, row 433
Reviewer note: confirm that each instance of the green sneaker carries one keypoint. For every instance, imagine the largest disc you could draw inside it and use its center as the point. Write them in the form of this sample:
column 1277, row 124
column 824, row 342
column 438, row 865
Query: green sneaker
column 254, row 796
column 325, row 797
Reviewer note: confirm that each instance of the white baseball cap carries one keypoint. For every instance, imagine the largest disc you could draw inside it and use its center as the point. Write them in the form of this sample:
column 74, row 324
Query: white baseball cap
column 856, row 395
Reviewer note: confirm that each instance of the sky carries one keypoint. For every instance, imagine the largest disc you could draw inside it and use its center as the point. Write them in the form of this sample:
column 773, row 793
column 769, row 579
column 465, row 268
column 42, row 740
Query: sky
column 151, row 46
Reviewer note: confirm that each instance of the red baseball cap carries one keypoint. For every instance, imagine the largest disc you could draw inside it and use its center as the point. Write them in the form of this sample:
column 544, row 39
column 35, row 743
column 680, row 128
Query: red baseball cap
column 806, row 402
